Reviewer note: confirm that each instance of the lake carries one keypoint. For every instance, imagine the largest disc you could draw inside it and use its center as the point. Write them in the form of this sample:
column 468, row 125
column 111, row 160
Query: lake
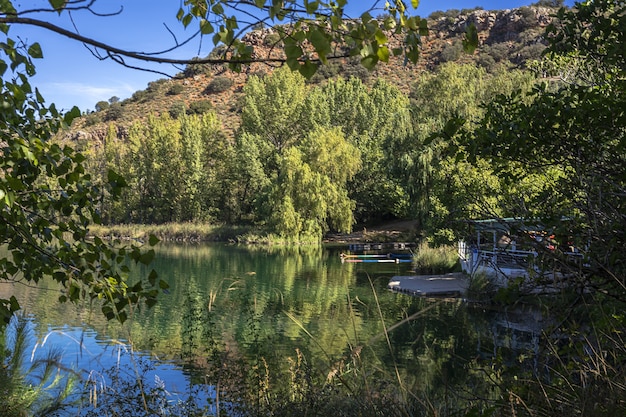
column 276, row 311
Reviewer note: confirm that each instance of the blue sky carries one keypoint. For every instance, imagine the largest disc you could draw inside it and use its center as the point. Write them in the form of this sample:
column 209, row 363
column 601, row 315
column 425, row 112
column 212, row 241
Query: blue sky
column 70, row 75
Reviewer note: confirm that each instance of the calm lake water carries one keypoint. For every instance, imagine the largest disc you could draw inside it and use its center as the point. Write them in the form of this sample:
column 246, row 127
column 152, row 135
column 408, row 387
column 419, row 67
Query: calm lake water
column 278, row 304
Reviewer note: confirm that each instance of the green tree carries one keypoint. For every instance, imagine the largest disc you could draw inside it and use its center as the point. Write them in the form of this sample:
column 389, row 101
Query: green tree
column 310, row 197
column 45, row 192
column 102, row 105
column 191, row 168
column 443, row 189
column 47, row 202
column 156, row 151
column 273, row 108
column 577, row 128
column 374, row 119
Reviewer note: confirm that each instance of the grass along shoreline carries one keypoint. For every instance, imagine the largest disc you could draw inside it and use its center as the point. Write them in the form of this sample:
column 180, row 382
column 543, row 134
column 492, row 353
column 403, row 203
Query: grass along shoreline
column 206, row 232
column 172, row 232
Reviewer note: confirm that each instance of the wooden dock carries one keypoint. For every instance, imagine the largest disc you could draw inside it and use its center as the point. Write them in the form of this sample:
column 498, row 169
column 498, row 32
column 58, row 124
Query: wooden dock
column 377, row 258
column 448, row 285
column 355, row 247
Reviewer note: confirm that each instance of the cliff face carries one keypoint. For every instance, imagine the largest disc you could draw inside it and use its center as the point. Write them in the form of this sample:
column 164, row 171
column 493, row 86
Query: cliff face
column 506, row 37
column 496, row 26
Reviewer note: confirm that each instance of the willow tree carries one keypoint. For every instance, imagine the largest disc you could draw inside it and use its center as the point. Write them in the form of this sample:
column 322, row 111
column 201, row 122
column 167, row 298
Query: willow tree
column 309, row 196
column 373, row 119
column 444, row 189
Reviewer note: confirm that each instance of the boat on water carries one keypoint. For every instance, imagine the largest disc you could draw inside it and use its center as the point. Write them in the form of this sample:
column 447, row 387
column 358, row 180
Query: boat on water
column 511, row 249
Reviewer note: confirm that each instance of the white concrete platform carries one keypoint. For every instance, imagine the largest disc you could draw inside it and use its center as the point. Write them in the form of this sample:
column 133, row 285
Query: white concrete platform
column 448, row 285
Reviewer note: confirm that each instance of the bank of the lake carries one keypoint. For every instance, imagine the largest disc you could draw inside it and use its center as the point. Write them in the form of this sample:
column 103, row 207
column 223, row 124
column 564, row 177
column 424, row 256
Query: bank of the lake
column 399, row 230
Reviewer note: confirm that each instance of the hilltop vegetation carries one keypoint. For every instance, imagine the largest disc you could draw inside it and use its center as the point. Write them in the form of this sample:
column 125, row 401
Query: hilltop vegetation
column 255, row 147
column 511, row 38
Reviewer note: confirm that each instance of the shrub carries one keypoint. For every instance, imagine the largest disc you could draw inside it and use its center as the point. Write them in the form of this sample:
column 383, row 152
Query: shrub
column 153, row 86
column 529, row 18
column 139, row 96
column 437, row 14
column 194, row 69
column 325, row 72
column 218, row 52
column 272, row 39
column 487, row 62
column 175, row 89
column 452, row 52
column 115, row 112
column 549, row 3
column 102, row 105
column 92, row 119
column 218, row 85
column 435, row 260
column 354, row 69
column 200, row 107
column 473, row 9
column 530, row 52
column 498, row 51
column 177, row 109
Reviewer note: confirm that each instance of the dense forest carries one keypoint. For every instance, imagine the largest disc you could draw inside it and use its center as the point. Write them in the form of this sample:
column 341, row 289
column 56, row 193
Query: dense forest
column 299, row 158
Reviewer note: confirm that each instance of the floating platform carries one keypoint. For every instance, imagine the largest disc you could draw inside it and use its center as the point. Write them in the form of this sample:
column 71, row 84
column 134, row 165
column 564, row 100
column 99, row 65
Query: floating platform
column 377, row 258
column 381, row 261
column 448, row 285
column 379, row 246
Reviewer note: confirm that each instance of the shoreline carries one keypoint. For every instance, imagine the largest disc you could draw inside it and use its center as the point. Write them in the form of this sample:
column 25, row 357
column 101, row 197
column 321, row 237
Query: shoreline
column 197, row 233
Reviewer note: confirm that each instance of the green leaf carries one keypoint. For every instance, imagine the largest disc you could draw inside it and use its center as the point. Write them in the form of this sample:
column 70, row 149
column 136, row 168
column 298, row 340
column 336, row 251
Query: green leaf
column 71, row 115
column 311, row 6
column 57, row 5
column 423, row 27
column 153, row 240
column 14, row 304
column 206, row 27
column 381, row 38
column 152, row 277
column 293, row 51
column 307, row 69
column 122, row 317
column 74, row 292
column 35, row 50
column 147, row 257
column 413, row 54
column 6, row 7
column 321, row 44
column 369, row 61
column 218, row 9
column 383, row 54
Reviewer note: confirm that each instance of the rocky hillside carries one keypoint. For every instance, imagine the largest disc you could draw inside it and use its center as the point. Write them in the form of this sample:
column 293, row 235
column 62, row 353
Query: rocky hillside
column 507, row 37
